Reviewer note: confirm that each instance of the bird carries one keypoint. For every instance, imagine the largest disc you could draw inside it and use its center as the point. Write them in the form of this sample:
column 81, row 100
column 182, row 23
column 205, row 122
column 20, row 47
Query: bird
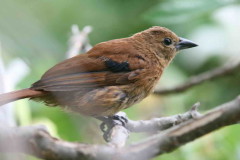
column 110, row 77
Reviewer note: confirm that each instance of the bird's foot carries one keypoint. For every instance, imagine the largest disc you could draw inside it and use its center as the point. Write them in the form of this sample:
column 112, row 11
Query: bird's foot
column 109, row 122
column 118, row 118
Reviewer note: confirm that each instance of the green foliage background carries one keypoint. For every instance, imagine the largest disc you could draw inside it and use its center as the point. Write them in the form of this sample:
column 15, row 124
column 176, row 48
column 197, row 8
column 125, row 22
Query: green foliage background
column 37, row 32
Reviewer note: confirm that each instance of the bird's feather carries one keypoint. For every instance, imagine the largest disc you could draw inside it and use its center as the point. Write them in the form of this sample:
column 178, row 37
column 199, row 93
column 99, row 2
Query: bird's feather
column 87, row 72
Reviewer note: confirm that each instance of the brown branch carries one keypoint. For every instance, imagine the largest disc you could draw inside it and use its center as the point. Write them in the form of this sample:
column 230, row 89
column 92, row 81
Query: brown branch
column 38, row 142
column 224, row 70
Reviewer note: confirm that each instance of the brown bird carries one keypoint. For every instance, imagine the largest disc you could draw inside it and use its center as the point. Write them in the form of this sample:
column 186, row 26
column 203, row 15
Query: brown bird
column 110, row 77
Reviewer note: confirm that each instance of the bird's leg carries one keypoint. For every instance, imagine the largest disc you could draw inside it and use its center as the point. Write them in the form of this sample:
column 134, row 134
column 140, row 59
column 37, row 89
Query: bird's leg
column 105, row 122
column 106, row 125
column 111, row 121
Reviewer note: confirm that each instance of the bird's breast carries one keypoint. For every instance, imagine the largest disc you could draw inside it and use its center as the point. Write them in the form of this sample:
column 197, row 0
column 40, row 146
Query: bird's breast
column 141, row 88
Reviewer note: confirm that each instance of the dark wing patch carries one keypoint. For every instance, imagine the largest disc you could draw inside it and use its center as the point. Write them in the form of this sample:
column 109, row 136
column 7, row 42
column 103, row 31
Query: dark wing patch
column 116, row 66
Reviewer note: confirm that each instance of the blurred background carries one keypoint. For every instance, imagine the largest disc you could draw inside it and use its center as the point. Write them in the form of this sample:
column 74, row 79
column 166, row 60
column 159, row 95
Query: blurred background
column 34, row 36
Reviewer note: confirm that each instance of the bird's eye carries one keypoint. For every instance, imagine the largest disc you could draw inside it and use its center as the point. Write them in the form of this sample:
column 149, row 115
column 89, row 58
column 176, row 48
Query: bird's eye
column 167, row 41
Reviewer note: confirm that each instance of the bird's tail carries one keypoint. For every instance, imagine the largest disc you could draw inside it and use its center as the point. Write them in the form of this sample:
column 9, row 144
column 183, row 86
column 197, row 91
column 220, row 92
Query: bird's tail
column 20, row 94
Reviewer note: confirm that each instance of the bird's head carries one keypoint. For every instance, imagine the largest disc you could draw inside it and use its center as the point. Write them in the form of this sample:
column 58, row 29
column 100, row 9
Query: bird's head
column 164, row 42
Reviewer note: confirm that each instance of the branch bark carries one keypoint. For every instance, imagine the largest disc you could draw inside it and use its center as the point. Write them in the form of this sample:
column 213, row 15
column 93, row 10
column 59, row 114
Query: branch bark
column 218, row 72
column 118, row 134
column 39, row 143
column 163, row 123
column 224, row 115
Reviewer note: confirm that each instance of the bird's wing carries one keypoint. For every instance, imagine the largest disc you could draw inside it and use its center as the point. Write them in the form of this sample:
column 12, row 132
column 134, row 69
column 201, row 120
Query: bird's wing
column 86, row 72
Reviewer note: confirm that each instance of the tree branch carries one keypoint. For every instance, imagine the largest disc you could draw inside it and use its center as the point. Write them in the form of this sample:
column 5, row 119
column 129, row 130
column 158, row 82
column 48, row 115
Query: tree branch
column 118, row 134
column 160, row 124
column 221, row 71
column 224, row 115
column 34, row 140
column 39, row 143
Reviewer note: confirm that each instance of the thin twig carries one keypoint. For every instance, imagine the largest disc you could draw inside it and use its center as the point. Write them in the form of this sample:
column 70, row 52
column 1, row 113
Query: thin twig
column 78, row 42
column 224, row 70
column 163, row 123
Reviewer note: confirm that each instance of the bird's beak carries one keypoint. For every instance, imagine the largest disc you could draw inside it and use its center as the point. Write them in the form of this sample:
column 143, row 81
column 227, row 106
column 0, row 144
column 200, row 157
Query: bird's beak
column 184, row 44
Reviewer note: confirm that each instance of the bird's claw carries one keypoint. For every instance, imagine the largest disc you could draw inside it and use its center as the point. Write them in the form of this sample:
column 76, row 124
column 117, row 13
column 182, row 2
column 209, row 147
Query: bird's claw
column 103, row 127
column 109, row 122
column 117, row 118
